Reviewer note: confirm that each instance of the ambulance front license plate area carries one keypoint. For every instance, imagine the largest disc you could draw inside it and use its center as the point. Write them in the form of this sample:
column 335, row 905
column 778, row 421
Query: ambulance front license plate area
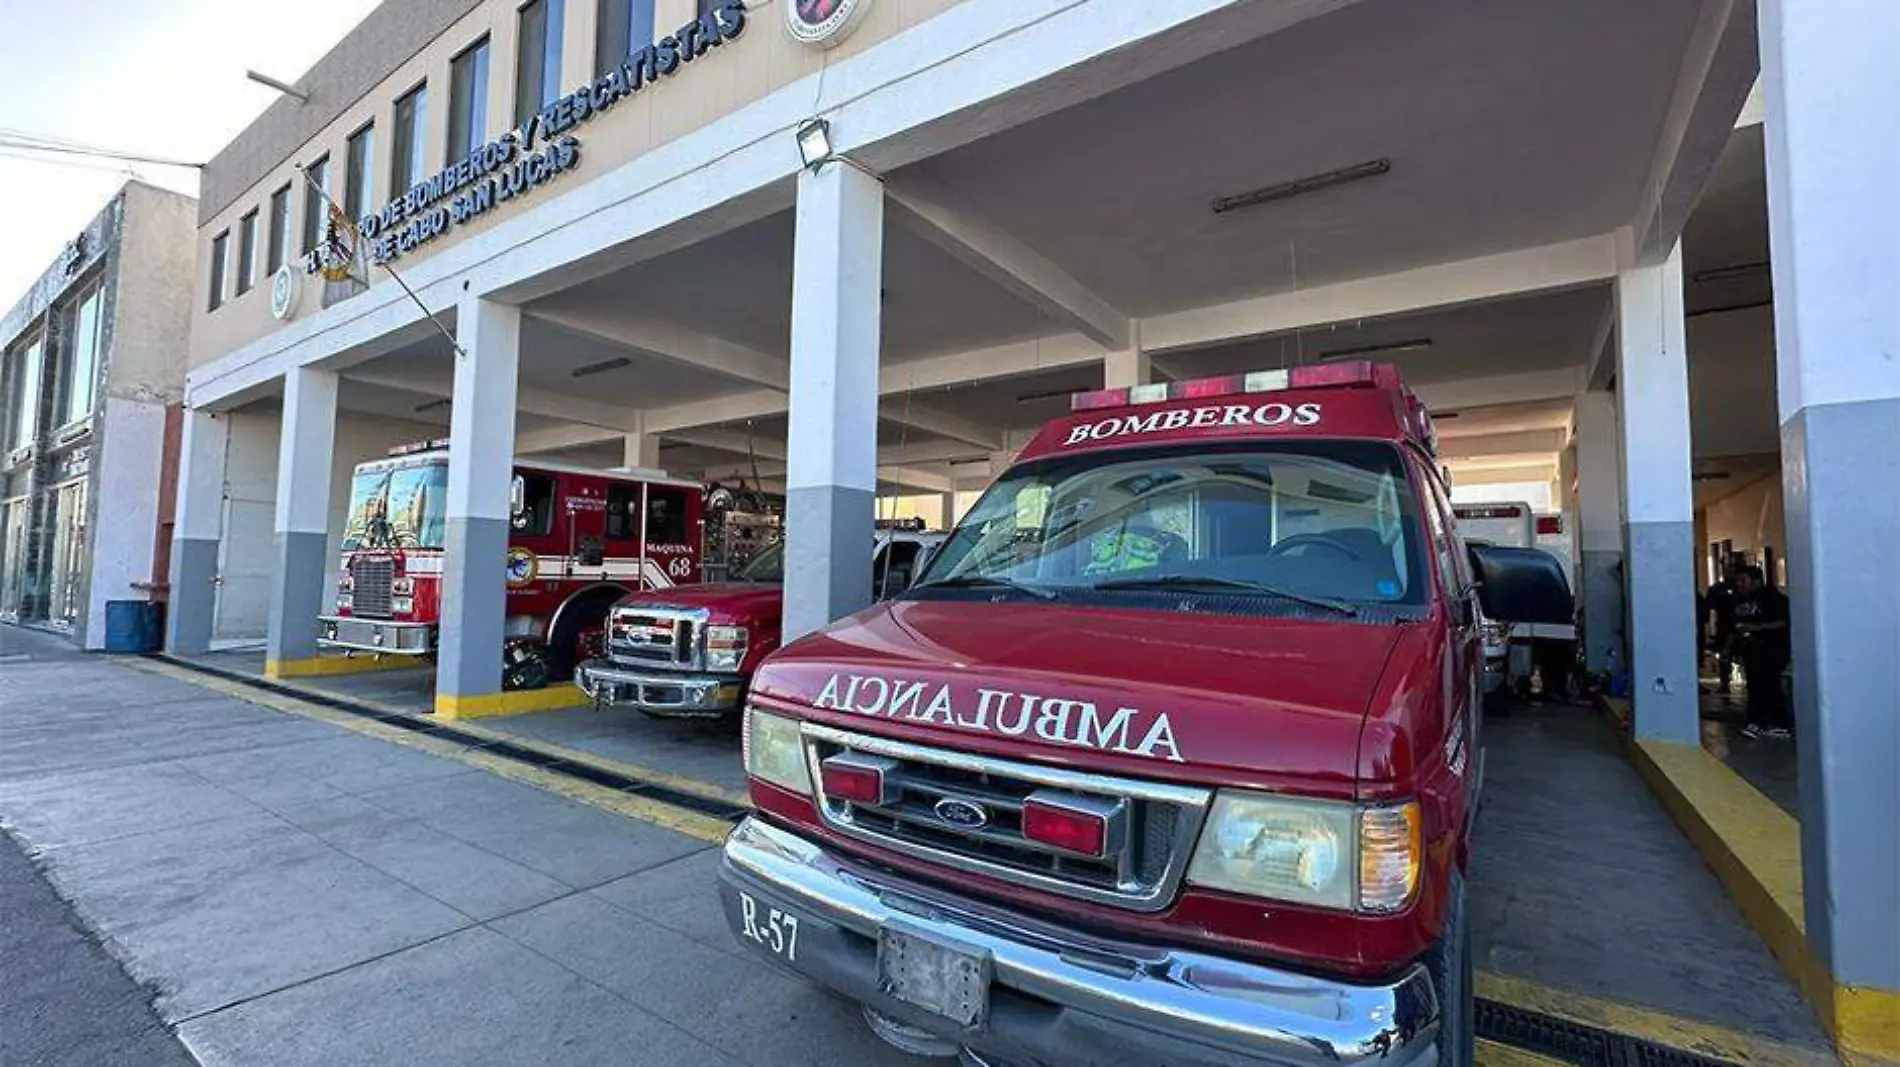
column 940, row 977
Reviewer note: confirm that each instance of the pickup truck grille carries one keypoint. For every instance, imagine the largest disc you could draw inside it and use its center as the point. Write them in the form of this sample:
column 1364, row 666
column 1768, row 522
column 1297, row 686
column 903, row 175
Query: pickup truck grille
column 371, row 579
column 1142, row 874
column 656, row 637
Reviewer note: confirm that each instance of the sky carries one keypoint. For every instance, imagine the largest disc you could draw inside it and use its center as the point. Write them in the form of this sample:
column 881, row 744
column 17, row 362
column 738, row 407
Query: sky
column 155, row 77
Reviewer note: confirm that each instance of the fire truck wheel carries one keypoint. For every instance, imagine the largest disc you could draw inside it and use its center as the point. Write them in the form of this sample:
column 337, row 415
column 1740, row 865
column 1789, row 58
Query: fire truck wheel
column 1449, row 962
column 526, row 667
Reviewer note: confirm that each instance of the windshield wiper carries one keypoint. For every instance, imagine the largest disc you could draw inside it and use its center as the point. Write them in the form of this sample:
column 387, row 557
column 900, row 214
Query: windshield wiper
column 984, row 581
column 1185, row 581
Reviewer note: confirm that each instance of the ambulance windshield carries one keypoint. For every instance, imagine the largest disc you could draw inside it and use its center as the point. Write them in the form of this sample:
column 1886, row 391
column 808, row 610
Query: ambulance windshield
column 1258, row 526
column 399, row 507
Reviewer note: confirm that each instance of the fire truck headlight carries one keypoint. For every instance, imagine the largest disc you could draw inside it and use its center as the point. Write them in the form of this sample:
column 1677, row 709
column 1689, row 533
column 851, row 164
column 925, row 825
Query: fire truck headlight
column 401, row 605
column 725, row 647
column 1319, row 852
column 774, row 751
column 345, row 583
column 345, row 602
column 402, row 586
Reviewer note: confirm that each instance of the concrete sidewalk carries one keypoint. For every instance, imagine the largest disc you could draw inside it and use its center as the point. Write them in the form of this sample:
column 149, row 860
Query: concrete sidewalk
column 298, row 893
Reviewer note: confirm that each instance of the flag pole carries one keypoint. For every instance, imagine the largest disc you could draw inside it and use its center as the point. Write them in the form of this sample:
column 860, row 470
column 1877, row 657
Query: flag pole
column 337, row 214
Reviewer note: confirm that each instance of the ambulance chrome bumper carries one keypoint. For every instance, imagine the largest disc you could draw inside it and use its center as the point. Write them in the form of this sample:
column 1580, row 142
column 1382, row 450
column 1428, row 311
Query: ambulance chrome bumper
column 1055, row 995
column 660, row 693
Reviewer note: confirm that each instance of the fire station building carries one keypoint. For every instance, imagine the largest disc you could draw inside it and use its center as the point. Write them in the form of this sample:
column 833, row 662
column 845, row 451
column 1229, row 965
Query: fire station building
column 1638, row 257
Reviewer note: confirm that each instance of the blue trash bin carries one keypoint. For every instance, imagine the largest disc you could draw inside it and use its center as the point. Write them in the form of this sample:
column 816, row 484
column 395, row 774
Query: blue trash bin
column 132, row 626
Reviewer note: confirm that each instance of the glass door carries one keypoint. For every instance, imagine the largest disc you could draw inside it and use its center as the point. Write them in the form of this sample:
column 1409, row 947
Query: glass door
column 66, row 575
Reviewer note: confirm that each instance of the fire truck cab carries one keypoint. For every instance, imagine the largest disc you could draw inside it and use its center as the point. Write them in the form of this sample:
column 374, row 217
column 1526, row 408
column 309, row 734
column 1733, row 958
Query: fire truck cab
column 1171, row 754
column 579, row 540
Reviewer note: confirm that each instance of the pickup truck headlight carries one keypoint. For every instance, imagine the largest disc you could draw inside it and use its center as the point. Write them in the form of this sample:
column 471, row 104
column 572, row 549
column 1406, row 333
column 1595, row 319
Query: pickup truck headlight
column 774, row 752
column 1329, row 854
column 1495, row 633
column 725, row 647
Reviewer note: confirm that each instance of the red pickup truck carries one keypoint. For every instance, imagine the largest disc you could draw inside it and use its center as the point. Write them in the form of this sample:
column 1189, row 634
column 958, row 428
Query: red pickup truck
column 1169, row 757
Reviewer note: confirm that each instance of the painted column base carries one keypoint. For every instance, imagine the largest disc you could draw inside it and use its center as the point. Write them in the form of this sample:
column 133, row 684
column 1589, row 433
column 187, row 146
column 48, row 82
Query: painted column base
column 298, row 597
column 335, row 664
column 520, row 702
column 192, row 606
column 1663, row 657
column 829, row 534
column 474, row 611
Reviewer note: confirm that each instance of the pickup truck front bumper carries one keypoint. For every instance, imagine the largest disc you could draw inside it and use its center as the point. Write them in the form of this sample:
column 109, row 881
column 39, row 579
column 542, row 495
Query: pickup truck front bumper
column 1056, row 996
column 666, row 694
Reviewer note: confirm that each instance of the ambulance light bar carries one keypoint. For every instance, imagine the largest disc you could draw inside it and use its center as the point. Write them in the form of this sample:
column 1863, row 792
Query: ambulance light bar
column 1357, row 372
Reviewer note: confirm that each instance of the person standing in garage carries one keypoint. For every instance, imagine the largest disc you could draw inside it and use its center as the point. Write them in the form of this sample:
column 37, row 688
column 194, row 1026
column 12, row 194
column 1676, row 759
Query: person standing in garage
column 1761, row 627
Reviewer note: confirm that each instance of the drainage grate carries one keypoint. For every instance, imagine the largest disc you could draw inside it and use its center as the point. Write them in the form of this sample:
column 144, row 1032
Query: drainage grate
column 1578, row 1043
column 601, row 776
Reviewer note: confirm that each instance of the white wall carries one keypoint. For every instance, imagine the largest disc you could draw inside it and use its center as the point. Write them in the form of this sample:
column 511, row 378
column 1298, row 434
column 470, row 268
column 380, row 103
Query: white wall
column 1752, row 518
column 1536, row 494
column 128, row 456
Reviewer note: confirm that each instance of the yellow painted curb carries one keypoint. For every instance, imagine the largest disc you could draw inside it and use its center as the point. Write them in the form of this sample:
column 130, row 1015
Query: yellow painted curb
column 1754, row 848
column 518, row 702
column 1689, row 1035
column 322, row 666
column 619, row 767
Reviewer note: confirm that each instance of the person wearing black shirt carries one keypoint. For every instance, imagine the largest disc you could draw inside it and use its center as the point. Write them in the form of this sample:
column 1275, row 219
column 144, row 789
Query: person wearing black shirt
column 1761, row 631
column 1720, row 602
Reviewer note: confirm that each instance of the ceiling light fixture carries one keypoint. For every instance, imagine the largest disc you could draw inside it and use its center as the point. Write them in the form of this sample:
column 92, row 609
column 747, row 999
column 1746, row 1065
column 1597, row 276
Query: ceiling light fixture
column 814, row 143
column 1372, row 168
column 602, row 367
column 1722, row 274
column 1409, row 345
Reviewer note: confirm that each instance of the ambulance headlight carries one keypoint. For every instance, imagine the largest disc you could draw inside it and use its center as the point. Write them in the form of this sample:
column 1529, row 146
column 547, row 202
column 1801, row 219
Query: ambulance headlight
column 774, row 752
column 1327, row 854
column 725, row 647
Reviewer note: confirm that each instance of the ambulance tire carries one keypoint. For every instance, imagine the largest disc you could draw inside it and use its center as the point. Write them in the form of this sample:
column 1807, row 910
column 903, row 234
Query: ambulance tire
column 1449, row 963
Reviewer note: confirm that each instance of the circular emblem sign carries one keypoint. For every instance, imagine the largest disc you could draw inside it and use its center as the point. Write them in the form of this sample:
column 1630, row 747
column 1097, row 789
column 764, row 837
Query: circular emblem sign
column 286, row 286
column 824, row 23
column 523, row 565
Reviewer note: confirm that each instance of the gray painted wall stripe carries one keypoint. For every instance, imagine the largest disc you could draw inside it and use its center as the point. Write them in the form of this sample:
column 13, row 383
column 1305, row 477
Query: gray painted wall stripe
column 474, row 607
column 297, row 595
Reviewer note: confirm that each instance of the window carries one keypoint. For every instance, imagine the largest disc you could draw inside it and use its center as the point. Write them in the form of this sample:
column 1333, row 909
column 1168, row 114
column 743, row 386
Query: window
column 83, row 367
column 468, row 99
column 624, row 26
column 315, row 209
column 405, row 146
column 247, row 252
column 538, row 63
column 359, row 156
column 218, row 245
column 623, row 506
column 23, row 396
column 532, row 503
column 666, row 517
column 1286, row 527
column 894, row 567
column 278, row 246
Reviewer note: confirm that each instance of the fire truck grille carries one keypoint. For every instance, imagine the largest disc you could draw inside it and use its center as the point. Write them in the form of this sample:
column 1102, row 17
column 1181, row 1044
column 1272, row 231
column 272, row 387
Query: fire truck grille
column 656, row 637
column 1141, row 873
column 372, row 579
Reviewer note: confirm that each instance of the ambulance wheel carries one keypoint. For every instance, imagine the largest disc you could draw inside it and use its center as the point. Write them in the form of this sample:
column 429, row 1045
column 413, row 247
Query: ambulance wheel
column 1449, row 963
column 526, row 666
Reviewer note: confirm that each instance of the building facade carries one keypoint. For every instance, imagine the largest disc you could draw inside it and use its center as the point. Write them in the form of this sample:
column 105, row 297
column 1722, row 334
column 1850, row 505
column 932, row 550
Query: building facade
column 92, row 369
column 855, row 249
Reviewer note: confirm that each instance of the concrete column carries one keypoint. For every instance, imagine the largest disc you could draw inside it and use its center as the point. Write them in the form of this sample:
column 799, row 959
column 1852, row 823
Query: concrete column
column 1127, row 368
column 192, row 604
column 642, row 451
column 1600, row 532
column 1829, row 84
column 831, row 478
column 949, row 507
column 1652, row 375
column 306, row 442
column 481, row 469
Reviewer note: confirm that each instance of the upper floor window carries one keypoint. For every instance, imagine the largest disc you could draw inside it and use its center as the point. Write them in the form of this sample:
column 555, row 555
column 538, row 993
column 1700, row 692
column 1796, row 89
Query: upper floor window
column 219, row 247
column 278, row 245
column 468, row 99
column 406, row 141
column 83, row 366
column 315, row 203
column 247, row 252
column 538, row 70
column 23, row 394
column 359, row 157
column 624, row 26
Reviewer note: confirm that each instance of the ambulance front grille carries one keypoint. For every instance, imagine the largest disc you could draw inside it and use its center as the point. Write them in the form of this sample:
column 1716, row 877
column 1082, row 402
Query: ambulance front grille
column 1142, row 874
column 371, row 580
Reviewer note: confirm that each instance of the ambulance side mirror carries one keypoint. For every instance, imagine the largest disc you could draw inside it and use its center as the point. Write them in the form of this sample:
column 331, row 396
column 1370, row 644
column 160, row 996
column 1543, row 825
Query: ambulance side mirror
column 1522, row 585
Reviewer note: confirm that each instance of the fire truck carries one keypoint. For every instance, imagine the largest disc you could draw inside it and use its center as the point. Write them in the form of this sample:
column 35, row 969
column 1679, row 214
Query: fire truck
column 579, row 540
column 1171, row 755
